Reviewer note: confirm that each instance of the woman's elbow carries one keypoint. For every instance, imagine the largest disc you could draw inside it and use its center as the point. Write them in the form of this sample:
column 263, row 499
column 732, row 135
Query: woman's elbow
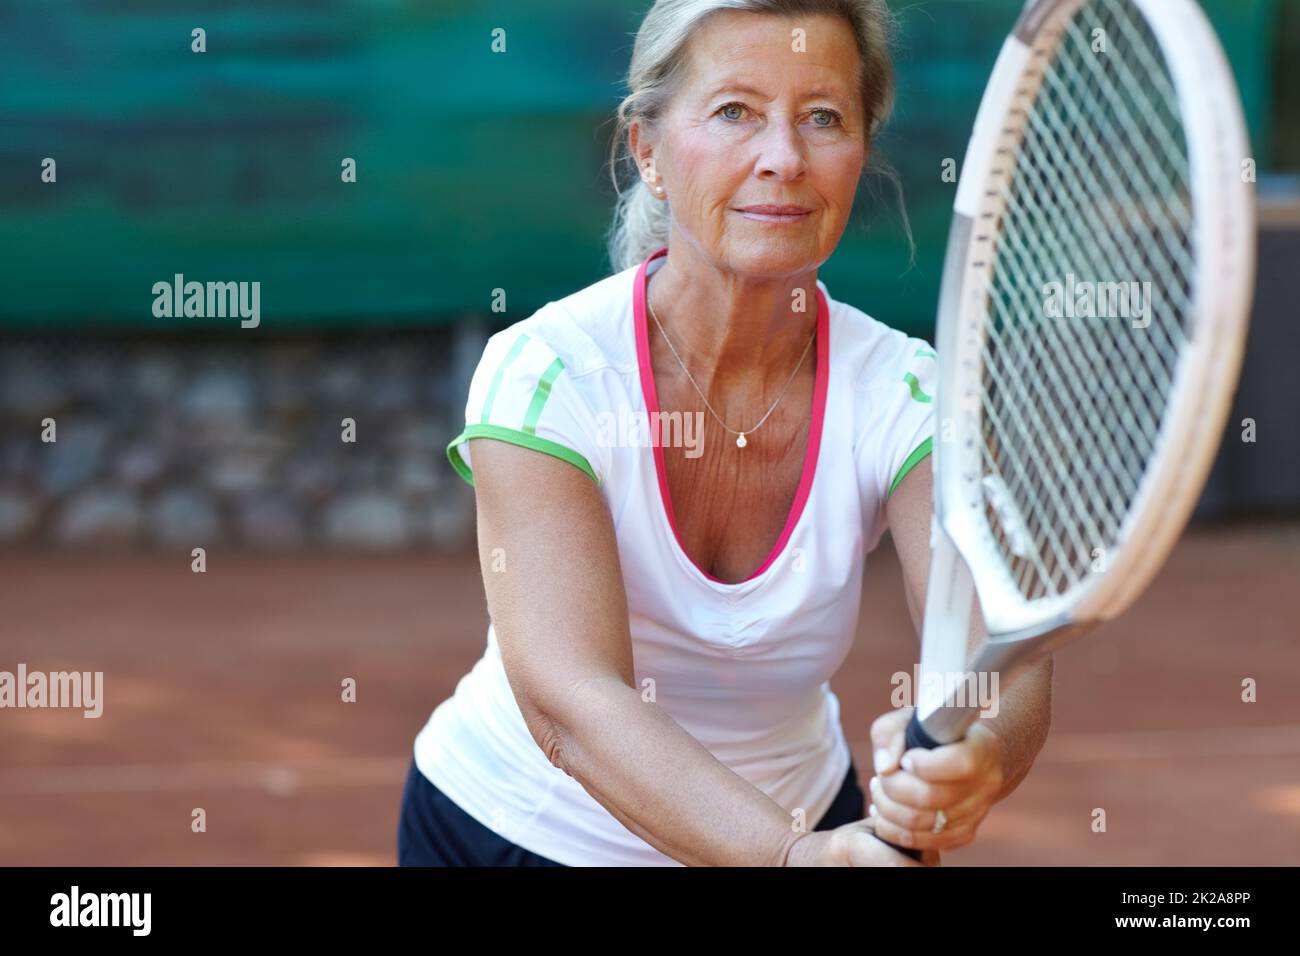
column 546, row 731
column 553, row 714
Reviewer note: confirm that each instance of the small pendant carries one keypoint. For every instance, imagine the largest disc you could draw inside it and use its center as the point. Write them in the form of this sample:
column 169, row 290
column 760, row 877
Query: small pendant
column 740, row 440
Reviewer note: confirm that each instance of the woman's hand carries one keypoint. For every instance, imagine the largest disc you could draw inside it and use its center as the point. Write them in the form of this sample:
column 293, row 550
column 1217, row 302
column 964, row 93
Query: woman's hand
column 850, row 845
column 962, row 779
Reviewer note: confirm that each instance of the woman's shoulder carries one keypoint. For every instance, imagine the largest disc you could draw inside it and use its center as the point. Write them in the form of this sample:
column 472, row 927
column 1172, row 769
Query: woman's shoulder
column 588, row 330
column 873, row 353
column 549, row 382
column 894, row 376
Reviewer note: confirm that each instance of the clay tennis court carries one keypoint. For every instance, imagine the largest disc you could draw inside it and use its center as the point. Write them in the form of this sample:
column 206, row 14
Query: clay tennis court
column 223, row 691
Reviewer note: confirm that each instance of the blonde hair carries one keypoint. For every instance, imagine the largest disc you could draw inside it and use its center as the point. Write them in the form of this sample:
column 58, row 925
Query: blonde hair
column 641, row 222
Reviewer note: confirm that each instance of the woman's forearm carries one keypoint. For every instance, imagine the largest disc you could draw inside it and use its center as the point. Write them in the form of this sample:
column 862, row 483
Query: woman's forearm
column 1022, row 723
column 659, row 781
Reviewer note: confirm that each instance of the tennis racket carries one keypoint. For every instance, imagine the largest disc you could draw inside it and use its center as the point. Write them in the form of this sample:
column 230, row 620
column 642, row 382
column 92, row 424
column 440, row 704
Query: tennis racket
column 1091, row 325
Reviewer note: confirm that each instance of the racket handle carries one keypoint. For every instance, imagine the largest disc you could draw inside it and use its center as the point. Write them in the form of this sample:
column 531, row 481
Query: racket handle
column 915, row 737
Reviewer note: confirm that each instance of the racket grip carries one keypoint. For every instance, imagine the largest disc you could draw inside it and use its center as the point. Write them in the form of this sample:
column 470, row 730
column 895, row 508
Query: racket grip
column 915, row 737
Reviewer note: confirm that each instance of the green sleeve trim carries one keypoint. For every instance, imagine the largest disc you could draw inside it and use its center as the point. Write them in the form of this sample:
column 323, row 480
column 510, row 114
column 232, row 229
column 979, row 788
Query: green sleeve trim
column 541, row 395
column 914, row 459
column 513, row 437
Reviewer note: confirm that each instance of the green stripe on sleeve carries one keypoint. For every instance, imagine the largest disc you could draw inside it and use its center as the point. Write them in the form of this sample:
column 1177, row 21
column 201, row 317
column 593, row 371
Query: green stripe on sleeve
column 513, row 437
column 914, row 459
column 541, row 395
column 500, row 374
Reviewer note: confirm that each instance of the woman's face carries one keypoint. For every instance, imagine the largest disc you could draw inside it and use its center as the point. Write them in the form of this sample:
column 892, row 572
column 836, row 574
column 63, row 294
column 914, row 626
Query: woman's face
column 758, row 123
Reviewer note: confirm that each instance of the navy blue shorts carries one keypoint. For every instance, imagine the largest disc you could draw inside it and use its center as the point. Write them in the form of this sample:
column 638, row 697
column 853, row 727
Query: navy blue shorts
column 434, row 831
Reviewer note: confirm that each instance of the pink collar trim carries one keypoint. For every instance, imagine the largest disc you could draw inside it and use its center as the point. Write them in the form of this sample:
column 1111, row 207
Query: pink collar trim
column 651, row 397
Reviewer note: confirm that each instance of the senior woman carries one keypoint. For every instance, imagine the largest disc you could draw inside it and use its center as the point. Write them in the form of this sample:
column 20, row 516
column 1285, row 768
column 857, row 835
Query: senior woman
column 666, row 614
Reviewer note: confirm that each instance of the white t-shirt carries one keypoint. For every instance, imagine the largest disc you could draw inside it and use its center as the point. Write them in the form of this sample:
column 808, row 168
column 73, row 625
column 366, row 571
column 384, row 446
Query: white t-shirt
column 743, row 667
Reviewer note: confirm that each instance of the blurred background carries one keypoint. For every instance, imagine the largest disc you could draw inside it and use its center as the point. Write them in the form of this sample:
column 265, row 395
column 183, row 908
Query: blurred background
column 475, row 172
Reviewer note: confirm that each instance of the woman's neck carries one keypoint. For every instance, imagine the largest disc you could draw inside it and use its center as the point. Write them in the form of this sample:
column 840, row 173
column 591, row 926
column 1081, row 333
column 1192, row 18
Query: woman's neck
column 730, row 329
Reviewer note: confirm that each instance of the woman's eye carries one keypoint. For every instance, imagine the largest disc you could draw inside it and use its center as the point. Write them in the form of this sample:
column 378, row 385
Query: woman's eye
column 736, row 111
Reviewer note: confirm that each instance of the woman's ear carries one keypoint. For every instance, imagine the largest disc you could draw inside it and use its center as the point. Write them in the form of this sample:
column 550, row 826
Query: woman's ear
column 641, row 150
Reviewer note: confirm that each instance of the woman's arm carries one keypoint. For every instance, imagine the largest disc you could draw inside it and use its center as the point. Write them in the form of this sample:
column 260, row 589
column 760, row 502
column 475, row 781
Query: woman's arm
column 1025, row 709
column 556, row 598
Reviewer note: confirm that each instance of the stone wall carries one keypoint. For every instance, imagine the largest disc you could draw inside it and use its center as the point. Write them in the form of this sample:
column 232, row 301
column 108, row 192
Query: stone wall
column 235, row 442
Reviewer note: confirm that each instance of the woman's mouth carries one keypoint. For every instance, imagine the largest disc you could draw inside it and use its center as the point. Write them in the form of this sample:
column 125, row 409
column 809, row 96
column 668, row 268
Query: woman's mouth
column 775, row 214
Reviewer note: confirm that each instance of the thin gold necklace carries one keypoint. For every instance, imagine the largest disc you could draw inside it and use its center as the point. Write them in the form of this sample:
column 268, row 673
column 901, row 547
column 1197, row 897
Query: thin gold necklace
column 741, row 439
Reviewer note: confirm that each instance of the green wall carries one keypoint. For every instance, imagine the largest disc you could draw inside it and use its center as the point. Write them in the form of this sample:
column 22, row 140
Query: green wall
column 475, row 170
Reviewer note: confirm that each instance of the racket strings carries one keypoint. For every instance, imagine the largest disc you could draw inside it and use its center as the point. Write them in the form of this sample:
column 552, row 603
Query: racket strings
column 1163, row 108
column 1167, row 210
column 1042, row 405
column 1087, row 390
column 1029, row 470
column 1107, row 258
column 1124, row 251
column 1073, row 403
column 1150, row 176
column 1024, row 465
column 1084, row 392
column 1038, row 356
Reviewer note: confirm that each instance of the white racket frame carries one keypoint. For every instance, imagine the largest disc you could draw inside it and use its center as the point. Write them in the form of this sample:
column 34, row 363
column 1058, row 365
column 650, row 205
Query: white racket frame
column 965, row 558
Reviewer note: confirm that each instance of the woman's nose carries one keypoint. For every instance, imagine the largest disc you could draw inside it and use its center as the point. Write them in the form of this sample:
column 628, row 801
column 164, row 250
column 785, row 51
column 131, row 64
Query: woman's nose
column 781, row 152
